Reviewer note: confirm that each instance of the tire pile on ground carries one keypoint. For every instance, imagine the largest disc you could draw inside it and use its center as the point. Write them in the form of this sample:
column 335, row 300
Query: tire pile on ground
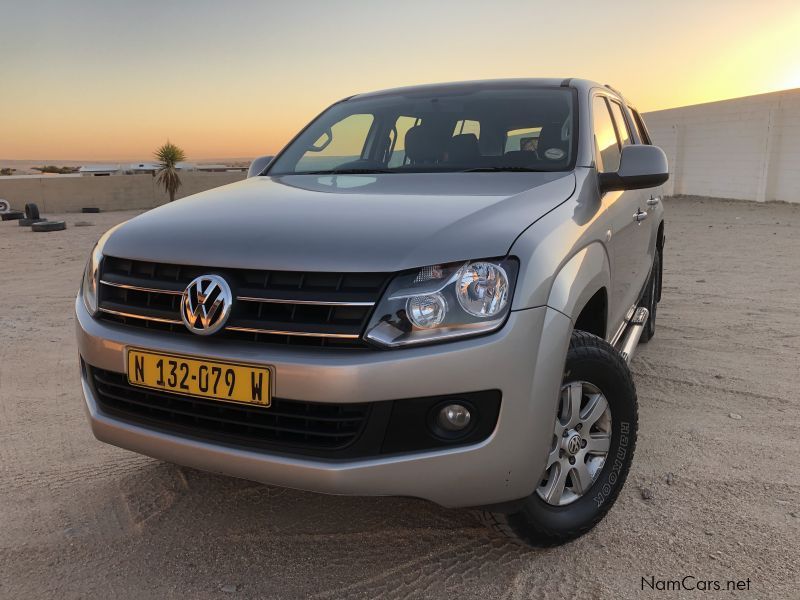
column 30, row 218
column 7, row 214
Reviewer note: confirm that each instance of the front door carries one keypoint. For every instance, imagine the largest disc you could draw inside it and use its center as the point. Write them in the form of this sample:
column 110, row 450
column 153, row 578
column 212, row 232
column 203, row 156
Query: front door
column 630, row 235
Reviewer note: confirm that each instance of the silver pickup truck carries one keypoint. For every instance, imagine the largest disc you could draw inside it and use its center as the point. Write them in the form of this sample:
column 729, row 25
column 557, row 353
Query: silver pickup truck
column 431, row 291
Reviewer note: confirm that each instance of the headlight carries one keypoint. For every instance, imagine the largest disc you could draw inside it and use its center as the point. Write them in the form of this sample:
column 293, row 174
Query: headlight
column 91, row 275
column 443, row 302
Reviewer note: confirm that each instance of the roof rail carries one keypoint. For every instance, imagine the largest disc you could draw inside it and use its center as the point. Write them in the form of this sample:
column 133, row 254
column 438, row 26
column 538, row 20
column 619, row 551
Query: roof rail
column 566, row 82
column 616, row 91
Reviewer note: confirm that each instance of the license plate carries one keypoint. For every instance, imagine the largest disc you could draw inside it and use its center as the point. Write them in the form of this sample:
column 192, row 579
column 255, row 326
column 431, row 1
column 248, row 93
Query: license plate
column 213, row 379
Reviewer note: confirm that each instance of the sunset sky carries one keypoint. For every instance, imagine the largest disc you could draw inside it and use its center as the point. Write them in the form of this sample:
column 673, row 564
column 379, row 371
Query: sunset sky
column 112, row 79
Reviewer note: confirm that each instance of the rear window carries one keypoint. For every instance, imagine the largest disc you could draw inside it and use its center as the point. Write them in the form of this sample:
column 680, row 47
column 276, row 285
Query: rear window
column 638, row 123
column 525, row 139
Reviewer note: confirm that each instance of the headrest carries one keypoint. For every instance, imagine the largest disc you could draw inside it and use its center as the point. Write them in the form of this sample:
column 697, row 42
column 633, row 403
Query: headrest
column 423, row 145
column 463, row 148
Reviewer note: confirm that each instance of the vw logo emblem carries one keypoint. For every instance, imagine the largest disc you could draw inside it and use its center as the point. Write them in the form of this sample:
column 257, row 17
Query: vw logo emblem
column 574, row 444
column 206, row 304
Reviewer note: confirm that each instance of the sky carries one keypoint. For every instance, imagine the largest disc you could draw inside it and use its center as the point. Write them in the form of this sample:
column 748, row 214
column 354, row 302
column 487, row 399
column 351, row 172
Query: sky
column 114, row 79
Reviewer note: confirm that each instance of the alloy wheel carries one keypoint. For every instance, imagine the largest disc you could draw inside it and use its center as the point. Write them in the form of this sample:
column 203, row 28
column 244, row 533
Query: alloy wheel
column 581, row 441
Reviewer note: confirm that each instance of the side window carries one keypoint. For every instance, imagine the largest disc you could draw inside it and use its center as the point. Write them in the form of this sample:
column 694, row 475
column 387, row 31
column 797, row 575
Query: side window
column 622, row 125
column 640, row 128
column 341, row 144
column 606, row 144
column 522, row 139
column 398, row 136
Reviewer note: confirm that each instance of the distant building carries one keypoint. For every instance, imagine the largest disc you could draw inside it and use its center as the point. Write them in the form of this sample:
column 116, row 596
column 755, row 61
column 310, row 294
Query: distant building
column 212, row 168
column 219, row 168
column 99, row 170
column 150, row 168
column 142, row 168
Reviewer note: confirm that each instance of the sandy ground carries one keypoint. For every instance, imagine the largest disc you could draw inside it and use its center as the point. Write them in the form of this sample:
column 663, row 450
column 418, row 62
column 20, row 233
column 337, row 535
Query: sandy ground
column 718, row 399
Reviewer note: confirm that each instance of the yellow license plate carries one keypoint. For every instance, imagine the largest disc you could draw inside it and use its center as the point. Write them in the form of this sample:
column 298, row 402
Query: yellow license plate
column 214, row 379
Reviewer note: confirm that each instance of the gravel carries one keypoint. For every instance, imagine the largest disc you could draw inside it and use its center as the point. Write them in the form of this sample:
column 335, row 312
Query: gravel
column 80, row 519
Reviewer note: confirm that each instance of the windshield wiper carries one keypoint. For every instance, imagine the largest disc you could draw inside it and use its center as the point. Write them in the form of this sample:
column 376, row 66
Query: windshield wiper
column 346, row 172
column 501, row 169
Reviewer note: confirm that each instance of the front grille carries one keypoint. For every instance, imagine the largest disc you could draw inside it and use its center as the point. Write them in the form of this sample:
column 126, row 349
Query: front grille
column 287, row 425
column 299, row 308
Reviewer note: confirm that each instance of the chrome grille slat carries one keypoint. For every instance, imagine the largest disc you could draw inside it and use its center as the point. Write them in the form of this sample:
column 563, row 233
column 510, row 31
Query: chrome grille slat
column 140, row 288
column 313, row 302
column 345, row 336
column 128, row 315
column 304, row 308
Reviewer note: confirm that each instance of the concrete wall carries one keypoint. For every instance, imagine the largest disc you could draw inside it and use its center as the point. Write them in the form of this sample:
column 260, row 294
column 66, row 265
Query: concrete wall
column 745, row 148
column 66, row 194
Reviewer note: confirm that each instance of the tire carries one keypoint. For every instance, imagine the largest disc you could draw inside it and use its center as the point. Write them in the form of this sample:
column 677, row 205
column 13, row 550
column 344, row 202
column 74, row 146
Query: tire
column 591, row 362
column 13, row 215
column 31, row 211
column 650, row 299
column 49, row 226
column 90, row 209
column 25, row 222
column 29, row 222
column 4, row 206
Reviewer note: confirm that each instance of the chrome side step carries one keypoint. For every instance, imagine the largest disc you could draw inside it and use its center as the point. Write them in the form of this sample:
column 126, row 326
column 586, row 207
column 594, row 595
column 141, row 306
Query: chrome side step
column 633, row 333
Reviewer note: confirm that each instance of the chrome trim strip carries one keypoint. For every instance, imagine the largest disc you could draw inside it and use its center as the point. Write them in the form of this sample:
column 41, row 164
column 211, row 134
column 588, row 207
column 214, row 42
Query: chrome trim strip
column 133, row 316
column 137, row 288
column 317, row 302
column 348, row 336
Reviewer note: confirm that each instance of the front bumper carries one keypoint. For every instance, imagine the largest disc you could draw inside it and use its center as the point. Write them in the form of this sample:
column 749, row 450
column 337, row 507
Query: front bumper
column 524, row 360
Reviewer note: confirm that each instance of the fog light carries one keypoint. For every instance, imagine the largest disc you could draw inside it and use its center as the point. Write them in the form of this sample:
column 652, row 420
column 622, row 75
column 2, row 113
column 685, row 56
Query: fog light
column 454, row 417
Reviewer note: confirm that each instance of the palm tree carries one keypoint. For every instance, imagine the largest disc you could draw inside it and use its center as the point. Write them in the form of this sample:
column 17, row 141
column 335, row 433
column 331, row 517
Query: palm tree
column 168, row 156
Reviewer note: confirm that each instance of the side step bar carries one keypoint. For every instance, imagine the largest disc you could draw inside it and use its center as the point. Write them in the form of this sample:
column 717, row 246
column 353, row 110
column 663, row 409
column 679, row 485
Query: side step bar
column 633, row 333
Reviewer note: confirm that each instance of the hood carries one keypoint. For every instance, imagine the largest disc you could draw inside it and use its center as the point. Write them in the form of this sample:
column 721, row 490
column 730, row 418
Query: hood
column 345, row 223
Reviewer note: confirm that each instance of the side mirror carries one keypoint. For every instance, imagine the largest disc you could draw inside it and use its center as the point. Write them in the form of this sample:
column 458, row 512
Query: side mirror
column 258, row 166
column 639, row 167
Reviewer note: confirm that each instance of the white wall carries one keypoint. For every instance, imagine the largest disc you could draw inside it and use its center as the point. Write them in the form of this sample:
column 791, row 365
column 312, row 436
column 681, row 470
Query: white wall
column 58, row 193
column 745, row 148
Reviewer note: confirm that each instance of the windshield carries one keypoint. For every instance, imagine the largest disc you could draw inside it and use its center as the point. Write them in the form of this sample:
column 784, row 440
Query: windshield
column 499, row 129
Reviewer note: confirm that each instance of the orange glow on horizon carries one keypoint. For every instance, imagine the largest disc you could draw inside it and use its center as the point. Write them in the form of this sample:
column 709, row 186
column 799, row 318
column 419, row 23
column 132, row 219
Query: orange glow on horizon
column 84, row 85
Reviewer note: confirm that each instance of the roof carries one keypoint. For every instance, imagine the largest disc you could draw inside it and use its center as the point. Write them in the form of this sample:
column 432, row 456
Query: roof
column 439, row 88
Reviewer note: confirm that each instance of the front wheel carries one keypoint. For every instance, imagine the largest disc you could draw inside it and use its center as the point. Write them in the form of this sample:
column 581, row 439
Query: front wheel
column 594, row 437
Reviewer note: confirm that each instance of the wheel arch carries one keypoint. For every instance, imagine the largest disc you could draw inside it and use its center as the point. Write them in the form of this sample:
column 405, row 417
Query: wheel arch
column 580, row 289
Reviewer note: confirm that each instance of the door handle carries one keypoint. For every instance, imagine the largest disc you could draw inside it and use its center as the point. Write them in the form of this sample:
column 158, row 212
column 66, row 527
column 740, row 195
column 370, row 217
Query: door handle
column 639, row 216
column 653, row 200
